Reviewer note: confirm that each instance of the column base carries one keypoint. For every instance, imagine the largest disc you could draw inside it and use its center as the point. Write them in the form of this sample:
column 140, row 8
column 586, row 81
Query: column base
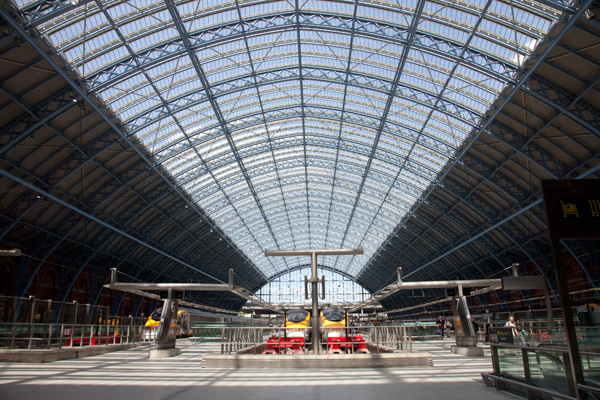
column 467, row 351
column 165, row 353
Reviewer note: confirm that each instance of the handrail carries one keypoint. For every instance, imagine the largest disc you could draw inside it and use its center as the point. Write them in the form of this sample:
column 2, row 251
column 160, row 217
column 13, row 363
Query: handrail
column 16, row 335
column 528, row 384
column 588, row 388
column 517, row 347
column 528, row 387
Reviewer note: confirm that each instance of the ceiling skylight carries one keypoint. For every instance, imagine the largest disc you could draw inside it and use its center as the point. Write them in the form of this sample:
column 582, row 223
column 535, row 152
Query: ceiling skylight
column 299, row 125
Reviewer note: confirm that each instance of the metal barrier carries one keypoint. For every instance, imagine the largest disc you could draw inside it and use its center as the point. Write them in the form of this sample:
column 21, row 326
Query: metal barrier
column 541, row 371
column 422, row 330
column 33, row 310
column 45, row 336
column 210, row 331
column 587, row 337
column 280, row 340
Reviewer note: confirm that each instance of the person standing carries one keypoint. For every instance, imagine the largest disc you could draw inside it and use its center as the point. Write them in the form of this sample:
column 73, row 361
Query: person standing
column 489, row 325
column 520, row 333
column 441, row 325
column 511, row 324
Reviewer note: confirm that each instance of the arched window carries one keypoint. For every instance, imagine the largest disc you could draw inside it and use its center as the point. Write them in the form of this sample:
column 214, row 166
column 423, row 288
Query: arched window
column 289, row 288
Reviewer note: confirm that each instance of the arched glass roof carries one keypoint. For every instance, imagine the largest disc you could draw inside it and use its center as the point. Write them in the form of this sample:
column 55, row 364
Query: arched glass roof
column 300, row 124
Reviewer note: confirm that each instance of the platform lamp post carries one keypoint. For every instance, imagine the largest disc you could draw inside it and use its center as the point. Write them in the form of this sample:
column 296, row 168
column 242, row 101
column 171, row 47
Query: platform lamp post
column 314, row 279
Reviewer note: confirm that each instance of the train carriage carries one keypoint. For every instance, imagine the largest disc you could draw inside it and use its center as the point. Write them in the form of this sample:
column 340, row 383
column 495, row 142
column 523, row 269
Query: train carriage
column 188, row 317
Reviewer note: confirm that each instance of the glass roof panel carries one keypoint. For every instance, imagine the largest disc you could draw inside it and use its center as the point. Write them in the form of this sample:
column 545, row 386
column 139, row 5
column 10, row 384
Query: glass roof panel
column 309, row 144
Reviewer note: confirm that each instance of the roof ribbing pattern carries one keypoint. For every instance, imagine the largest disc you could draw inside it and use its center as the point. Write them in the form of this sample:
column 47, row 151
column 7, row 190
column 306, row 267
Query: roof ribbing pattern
column 300, row 124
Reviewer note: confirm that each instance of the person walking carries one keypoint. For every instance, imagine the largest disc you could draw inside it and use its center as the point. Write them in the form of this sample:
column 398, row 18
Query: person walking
column 441, row 325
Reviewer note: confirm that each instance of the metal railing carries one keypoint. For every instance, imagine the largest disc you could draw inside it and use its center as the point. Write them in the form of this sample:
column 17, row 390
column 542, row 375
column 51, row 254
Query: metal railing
column 587, row 337
column 47, row 335
column 540, row 372
column 280, row 340
column 33, row 310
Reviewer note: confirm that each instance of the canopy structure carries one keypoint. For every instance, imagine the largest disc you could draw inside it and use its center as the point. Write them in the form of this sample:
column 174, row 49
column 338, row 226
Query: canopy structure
column 416, row 130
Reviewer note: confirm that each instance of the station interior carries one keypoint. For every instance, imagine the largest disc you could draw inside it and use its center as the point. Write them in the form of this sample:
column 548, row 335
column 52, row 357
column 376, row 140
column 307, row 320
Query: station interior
column 261, row 199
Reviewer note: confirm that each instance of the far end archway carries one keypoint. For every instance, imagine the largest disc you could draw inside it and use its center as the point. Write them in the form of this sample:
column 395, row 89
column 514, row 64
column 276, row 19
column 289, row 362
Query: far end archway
column 289, row 288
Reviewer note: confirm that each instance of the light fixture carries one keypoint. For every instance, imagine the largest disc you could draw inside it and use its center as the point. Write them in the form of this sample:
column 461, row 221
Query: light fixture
column 11, row 253
column 590, row 15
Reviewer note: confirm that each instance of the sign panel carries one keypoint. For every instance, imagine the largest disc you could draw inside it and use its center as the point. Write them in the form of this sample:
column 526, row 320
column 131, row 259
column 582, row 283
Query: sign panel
column 523, row 282
column 572, row 208
column 504, row 335
column 578, row 207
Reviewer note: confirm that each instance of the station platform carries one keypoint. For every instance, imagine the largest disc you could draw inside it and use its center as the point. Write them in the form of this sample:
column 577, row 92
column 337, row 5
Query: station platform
column 130, row 374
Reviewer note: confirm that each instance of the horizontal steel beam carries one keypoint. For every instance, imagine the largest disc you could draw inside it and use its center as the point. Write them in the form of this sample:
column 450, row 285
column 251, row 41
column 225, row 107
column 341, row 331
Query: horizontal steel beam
column 182, row 302
column 446, row 284
column 396, row 287
column 505, row 283
column 192, row 287
column 164, row 286
column 139, row 288
column 330, row 252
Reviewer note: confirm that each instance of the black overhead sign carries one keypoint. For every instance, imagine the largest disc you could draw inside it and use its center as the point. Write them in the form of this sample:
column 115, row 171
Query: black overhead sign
column 573, row 207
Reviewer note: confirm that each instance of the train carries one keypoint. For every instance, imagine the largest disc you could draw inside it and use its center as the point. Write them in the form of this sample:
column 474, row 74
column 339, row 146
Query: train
column 333, row 321
column 188, row 317
column 298, row 324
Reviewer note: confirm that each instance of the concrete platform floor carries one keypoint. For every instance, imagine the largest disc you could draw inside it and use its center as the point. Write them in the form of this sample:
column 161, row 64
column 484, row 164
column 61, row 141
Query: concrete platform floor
column 130, row 374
